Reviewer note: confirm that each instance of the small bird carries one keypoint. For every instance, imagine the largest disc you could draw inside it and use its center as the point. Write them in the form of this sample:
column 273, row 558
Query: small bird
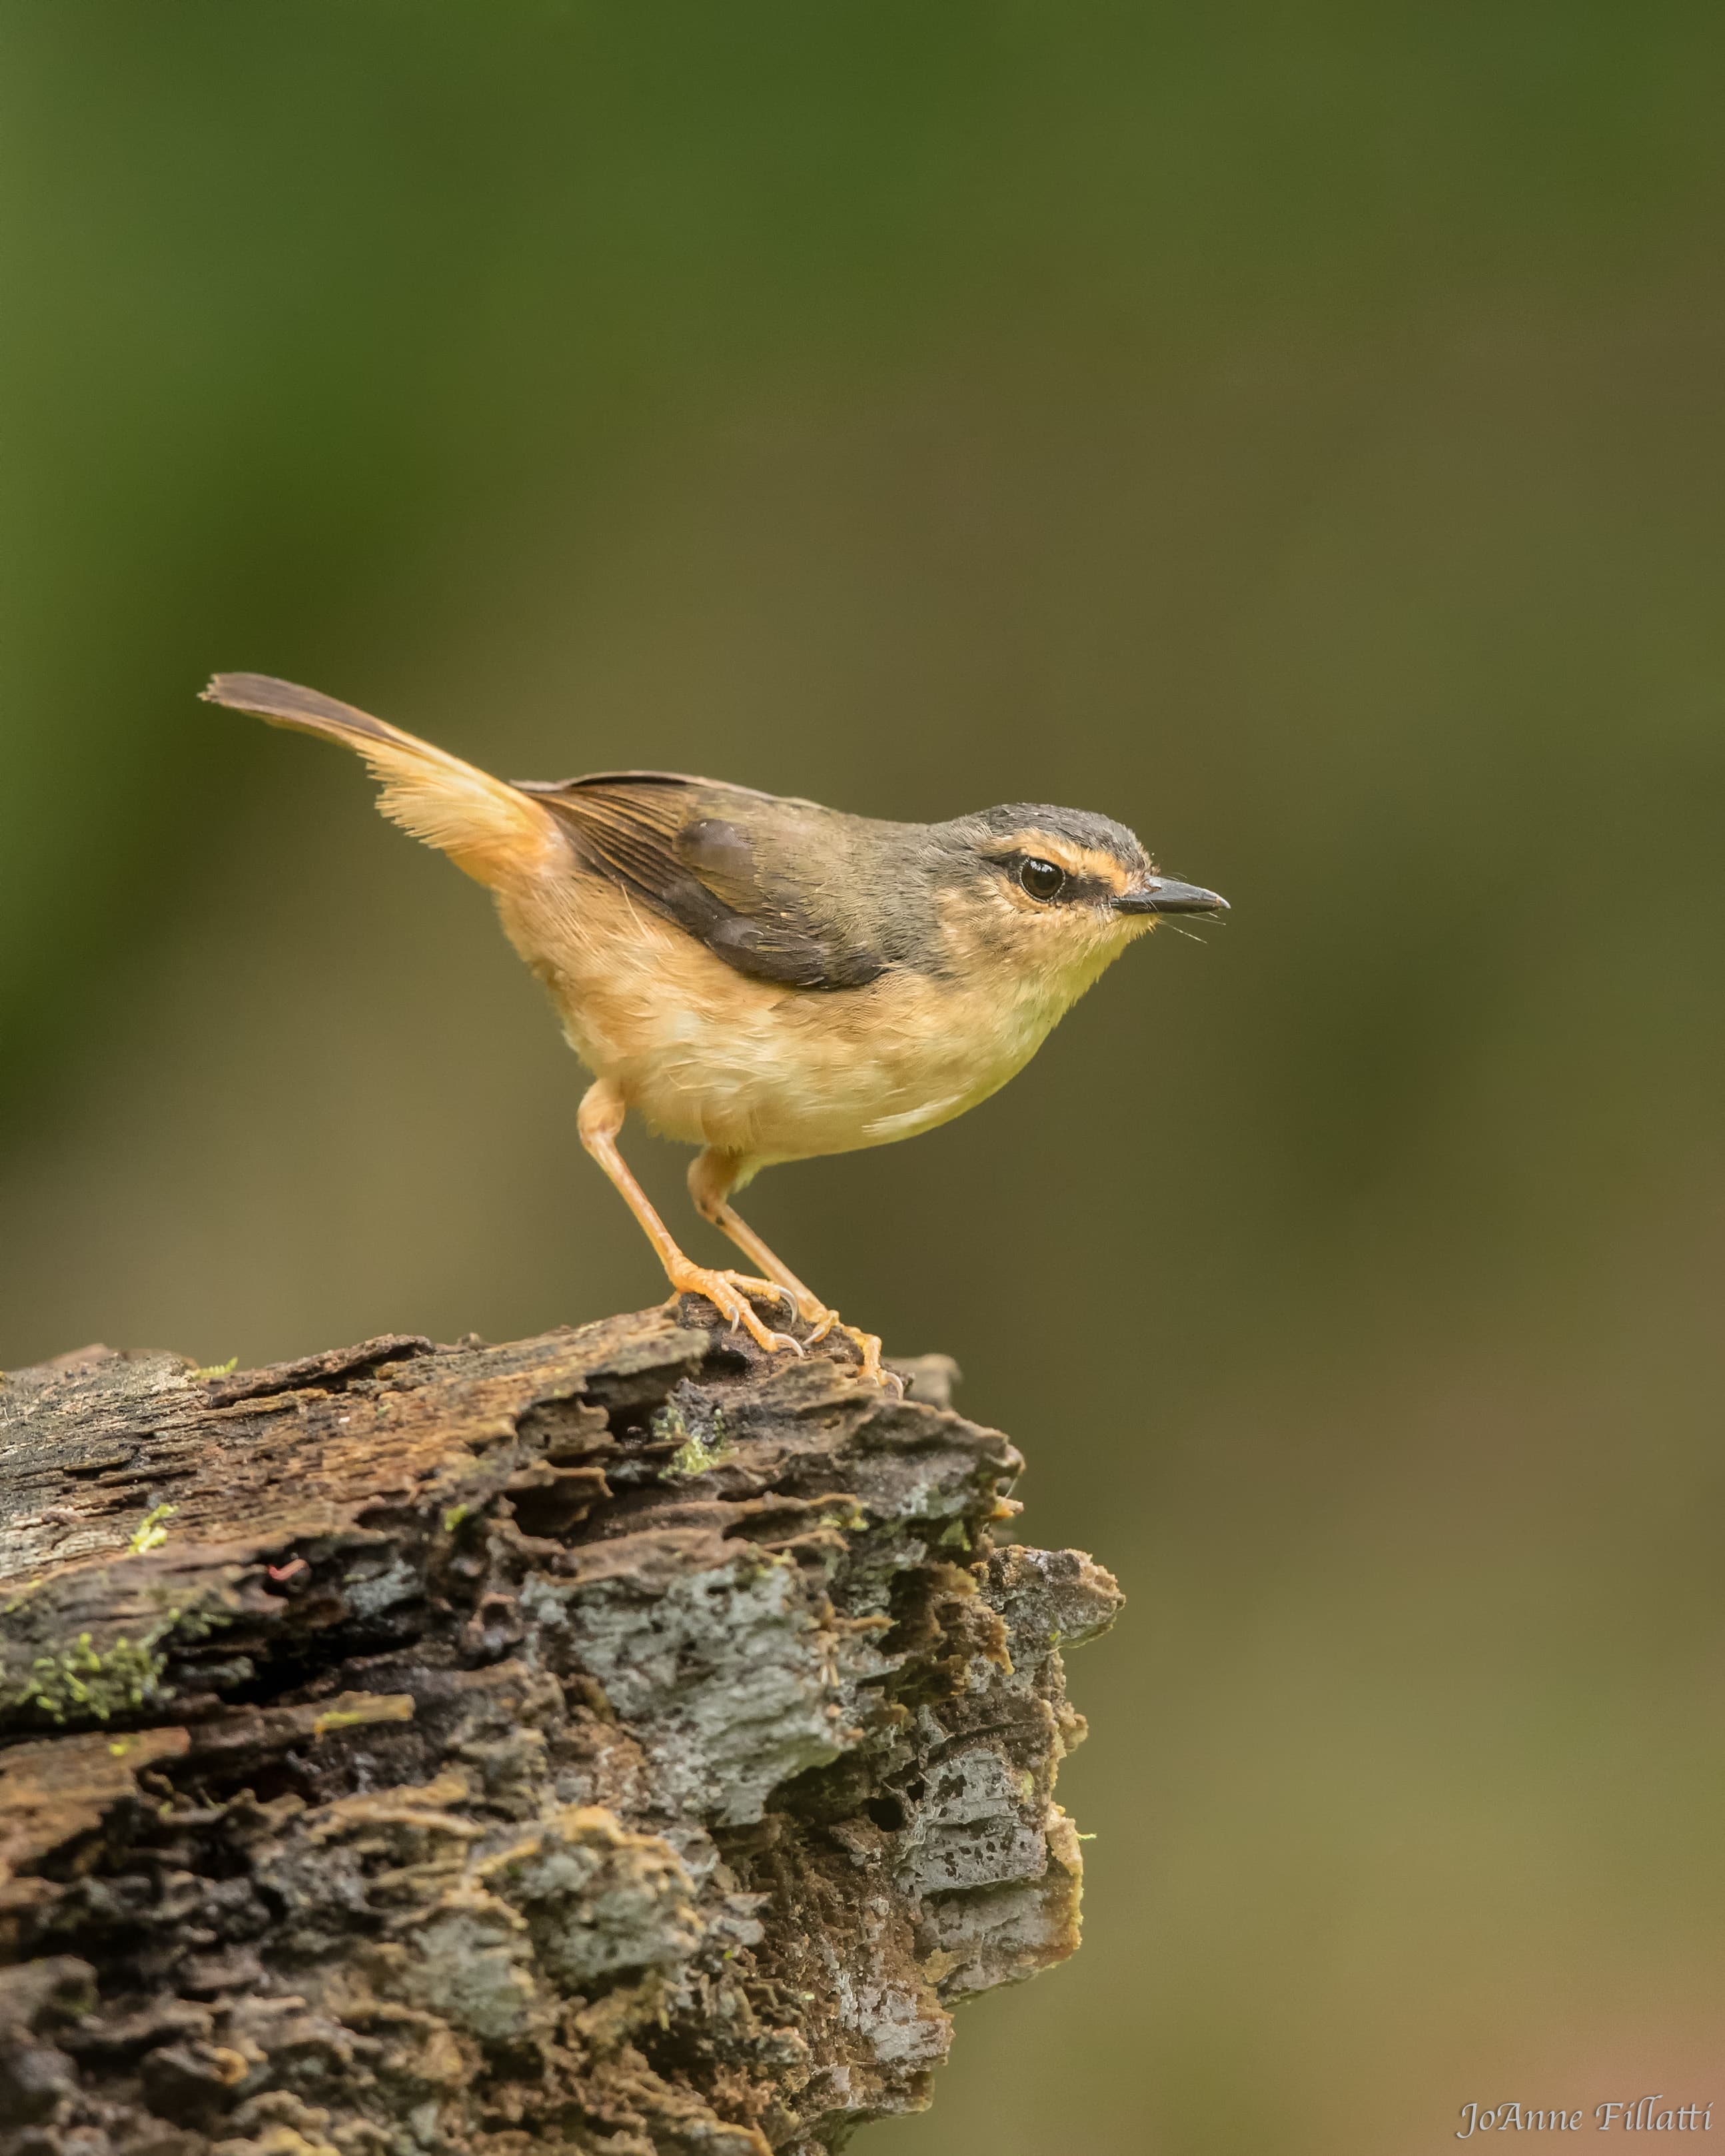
column 761, row 976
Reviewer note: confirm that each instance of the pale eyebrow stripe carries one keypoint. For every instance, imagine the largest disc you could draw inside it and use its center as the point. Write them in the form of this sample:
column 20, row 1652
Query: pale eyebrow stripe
column 1075, row 860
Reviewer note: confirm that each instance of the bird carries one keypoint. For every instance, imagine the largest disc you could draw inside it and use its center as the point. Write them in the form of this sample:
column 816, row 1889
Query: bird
column 762, row 977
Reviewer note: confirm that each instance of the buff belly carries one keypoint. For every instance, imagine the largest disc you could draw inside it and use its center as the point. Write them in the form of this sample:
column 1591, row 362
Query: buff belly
column 710, row 1057
column 800, row 1072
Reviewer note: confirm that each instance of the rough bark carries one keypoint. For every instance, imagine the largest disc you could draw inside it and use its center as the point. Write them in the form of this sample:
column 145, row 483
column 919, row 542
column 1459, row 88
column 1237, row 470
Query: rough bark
column 608, row 1742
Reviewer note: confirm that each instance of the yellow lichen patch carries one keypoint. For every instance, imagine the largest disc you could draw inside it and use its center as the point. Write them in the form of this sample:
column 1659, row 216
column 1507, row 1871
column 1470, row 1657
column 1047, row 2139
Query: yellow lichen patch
column 83, row 1679
column 354, row 1708
column 151, row 1530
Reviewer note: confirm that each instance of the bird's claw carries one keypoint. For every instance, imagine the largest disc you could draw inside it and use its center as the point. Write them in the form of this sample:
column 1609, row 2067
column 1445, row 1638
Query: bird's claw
column 732, row 1295
column 753, row 1286
column 822, row 1322
column 868, row 1345
column 729, row 1294
column 777, row 1342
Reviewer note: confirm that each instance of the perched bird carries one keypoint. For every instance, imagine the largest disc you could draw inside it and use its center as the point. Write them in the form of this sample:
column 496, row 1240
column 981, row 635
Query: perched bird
column 763, row 978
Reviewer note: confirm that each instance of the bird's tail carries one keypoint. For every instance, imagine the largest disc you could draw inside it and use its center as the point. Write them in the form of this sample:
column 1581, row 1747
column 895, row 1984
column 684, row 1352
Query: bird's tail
column 485, row 826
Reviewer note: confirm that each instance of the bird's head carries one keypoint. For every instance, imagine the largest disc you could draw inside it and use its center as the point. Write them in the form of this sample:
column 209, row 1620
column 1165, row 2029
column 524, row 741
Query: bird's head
column 1051, row 896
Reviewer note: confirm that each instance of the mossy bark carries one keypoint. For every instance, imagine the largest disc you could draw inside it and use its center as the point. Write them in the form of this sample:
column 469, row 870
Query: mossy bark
column 608, row 1741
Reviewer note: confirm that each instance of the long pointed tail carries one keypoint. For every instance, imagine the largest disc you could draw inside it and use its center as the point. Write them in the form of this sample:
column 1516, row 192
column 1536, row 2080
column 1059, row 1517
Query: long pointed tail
column 485, row 826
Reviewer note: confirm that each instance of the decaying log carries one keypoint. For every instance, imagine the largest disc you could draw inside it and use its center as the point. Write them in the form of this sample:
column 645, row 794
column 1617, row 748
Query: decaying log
column 608, row 1741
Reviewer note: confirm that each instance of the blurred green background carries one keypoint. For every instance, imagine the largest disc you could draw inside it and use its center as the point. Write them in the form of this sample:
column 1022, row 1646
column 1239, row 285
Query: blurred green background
column 1298, row 433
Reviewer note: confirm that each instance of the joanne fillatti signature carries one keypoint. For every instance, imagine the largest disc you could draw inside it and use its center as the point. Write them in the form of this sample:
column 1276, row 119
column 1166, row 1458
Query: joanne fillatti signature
column 1643, row 2116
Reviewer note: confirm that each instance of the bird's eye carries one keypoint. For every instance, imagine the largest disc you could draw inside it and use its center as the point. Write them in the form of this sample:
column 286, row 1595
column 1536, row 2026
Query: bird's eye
column 1041, row 879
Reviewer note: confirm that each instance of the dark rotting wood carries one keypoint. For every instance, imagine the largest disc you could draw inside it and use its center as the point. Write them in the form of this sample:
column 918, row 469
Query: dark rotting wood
column 607, row 1742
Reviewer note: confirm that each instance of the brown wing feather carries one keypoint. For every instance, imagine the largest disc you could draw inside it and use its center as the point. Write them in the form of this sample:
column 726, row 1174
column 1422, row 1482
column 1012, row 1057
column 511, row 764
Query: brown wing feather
column 692, row 849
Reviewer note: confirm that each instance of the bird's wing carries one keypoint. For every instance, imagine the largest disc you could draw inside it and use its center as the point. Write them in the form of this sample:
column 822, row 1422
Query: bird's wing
column 731, row 866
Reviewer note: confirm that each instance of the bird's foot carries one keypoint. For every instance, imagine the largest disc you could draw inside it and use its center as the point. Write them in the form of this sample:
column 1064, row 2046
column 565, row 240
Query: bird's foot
column 729, row 1294
column 868, row 1345
column 821, row 1322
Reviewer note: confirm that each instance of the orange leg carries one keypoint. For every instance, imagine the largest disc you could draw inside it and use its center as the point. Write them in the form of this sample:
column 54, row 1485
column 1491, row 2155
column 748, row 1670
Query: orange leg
column 602, row 1109
column 712, row 1176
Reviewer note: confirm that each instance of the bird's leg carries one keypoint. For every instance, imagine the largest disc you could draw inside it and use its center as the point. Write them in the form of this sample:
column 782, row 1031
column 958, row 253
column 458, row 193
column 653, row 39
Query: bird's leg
column 602, row 1109
column 712, row 1176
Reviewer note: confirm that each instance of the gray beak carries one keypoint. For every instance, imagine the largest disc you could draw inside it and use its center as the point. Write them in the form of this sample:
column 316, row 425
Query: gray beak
column 1162, row 895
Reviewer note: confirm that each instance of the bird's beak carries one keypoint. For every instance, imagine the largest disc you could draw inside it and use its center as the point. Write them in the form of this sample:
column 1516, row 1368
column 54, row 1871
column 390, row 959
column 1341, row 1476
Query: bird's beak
column 1154, row 893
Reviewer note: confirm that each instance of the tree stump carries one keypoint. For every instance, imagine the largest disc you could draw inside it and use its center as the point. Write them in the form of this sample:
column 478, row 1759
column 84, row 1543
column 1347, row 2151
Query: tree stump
column 608, row 1741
